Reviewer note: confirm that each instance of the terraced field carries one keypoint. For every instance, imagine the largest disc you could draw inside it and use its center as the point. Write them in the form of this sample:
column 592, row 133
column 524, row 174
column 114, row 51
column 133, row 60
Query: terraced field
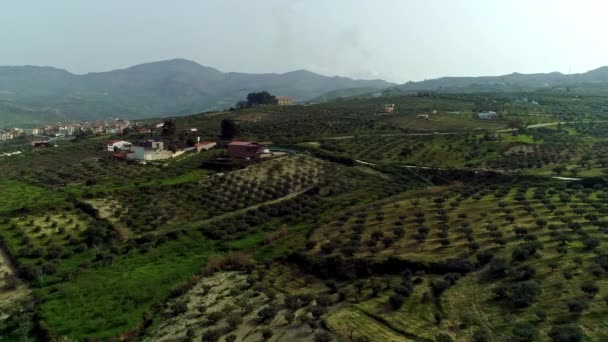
column 552, row 235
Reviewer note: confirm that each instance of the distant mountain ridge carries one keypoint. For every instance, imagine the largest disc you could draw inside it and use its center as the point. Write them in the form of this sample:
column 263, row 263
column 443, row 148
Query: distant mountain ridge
column 511, row 82
column 171, row 87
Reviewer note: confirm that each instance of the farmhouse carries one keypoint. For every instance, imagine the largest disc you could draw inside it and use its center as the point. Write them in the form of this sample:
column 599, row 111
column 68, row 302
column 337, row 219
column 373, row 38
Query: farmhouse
column 149, row 150
column 244, row 149
column 284, row 101
column 487, row 115
column 117, row 145
column 389, row 108
column 422, row 116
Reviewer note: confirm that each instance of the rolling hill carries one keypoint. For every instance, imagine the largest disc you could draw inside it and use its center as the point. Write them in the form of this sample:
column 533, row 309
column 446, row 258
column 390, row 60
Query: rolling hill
column 511, row 82
column 171, row 87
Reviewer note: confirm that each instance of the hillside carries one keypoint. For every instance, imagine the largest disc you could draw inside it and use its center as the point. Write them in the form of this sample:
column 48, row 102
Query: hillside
column 374, row 227
column 511, row 82
column 171, row 87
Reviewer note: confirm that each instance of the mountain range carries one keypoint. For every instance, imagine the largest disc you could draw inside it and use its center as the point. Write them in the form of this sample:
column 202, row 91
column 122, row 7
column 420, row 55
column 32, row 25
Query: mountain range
column 511, row 82
column 32, row 94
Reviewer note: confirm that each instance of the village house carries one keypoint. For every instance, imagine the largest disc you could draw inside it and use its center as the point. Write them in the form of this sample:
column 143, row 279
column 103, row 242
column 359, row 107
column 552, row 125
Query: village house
column 149, row 150
column 422, row 116
column 31, row 131
column 389, row 108
column 6, row 135
column 244, row 149
column 487, row 115
column 117, row 145
column 284, row 101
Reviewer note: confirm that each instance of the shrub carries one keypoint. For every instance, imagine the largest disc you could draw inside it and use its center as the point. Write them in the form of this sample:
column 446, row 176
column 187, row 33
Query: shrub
column 317, row 311
column 576, row 306
column 322, row 337
column 524, row 332
column 522, row 294
column 267, row 313
column 565, row 333
column 323, row 300
column 590, row 289
column 482, row 335
column 524, row 251
column 524, row 272
column 498, row 267
column 289, row 317
column 396, row 301
column 211, row 336
column 267, row 334
column 214, row 317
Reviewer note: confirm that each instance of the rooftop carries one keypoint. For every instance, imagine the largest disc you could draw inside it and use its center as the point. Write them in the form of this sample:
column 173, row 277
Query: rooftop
column 244, row 143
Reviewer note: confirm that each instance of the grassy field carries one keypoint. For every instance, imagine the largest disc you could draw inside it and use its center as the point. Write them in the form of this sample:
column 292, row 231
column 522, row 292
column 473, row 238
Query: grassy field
column 17, row 195
column 108, row 300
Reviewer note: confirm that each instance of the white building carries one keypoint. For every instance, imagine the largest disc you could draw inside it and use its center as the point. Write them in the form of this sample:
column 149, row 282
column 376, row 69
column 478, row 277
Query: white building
column 487, row 115
column 119, row 145
column 150, row 150
column 31, row 131
column 6, row 135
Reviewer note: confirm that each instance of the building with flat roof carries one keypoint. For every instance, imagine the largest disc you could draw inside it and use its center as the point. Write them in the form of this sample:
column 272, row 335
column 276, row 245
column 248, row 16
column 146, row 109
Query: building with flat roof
column 284, row 101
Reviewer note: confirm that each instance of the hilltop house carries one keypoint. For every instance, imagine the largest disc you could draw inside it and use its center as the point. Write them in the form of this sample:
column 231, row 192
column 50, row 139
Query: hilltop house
column 117, row 145
column 284, row 101
column 244, row 149
column 487, row 115
column 389, row 108
column 149, row 150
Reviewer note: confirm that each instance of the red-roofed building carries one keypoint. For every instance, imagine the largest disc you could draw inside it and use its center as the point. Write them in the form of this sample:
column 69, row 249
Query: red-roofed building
column 244, row 149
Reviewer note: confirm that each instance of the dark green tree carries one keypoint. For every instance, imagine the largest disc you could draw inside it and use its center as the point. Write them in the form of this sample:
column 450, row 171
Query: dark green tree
column 168, row 129
column 230, row 129
column 261, row 98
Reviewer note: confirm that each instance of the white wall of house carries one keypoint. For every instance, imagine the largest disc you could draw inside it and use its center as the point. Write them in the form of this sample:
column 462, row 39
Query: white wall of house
column 146, row 153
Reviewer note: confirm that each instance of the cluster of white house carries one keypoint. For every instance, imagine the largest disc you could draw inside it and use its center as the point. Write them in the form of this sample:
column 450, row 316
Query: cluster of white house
column 150, row 149
column 490, row 115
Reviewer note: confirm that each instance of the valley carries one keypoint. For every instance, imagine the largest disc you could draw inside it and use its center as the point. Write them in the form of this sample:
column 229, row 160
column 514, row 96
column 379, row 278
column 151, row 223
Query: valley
column 427, row 223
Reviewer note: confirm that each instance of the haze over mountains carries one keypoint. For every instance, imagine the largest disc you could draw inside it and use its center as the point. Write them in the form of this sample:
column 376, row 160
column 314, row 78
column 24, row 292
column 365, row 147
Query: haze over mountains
column 31, row 95
column 172, row 87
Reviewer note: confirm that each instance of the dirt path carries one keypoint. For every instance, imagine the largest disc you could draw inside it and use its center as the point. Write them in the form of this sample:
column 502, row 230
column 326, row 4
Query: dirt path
column 234, row 213
column 7, row 276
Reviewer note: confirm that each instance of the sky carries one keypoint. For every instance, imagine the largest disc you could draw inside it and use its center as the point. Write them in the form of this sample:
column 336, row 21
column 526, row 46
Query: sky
column 395, row 40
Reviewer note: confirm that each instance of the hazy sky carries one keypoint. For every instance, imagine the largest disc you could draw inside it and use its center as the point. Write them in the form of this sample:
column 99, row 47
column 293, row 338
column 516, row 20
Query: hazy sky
column 398, row 40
